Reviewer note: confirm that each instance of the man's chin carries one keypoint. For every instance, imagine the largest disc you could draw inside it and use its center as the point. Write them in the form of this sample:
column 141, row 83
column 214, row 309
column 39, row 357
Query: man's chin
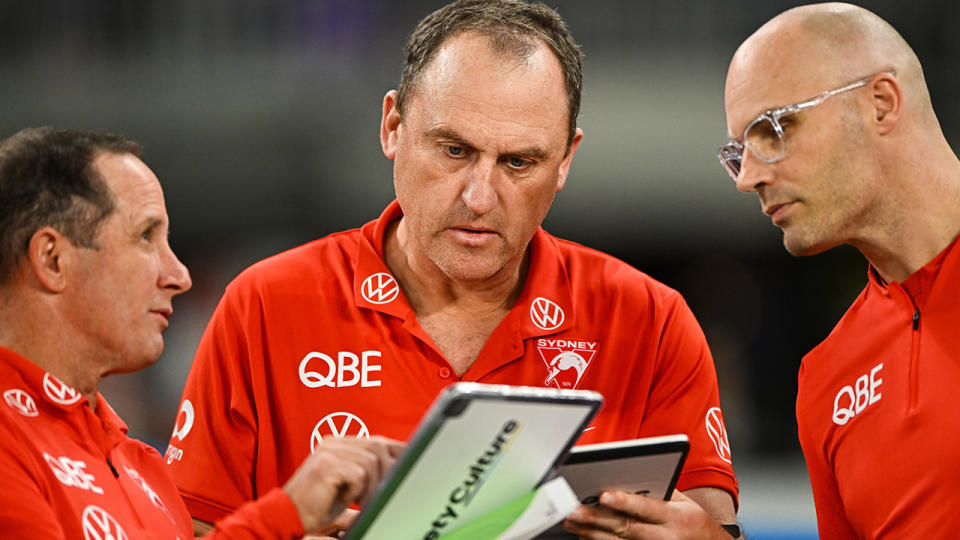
column 804, row 247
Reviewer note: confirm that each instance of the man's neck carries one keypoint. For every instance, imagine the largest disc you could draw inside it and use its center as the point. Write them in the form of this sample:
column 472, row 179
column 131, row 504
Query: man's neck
column 459, row 317
column 429, row 290
column 920, row 223
column 49, row 348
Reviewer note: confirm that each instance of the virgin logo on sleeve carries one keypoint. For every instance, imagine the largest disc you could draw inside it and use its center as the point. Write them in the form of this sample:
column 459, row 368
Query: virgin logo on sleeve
column 21, row 402
column 718, row 434
column 566, row 360
column 181, row 429
column 58, row 391
column 337, row 426
column 71, row 472
column 98, row 524
column 546, row 314
column 380, row 288
column 852, row 400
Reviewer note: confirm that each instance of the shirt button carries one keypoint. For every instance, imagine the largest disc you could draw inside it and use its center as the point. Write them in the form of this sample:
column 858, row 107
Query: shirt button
column 444, row 373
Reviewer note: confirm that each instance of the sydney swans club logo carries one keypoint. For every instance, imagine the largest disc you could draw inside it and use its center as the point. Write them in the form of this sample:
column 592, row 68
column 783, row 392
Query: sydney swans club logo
column 567, row 360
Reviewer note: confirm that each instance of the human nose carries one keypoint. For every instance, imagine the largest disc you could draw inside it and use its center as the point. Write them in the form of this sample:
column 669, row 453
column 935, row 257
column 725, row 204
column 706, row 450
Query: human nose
column 175, row 275
column 754, row 173
column 480, row 194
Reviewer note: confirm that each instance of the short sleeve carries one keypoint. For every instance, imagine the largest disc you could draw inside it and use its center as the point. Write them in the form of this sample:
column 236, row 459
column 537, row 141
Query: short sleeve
column 25, row 511
column 684, row 398
column 214, row 440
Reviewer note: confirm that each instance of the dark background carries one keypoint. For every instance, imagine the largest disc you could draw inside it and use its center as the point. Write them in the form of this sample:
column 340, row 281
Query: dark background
column 261, row 120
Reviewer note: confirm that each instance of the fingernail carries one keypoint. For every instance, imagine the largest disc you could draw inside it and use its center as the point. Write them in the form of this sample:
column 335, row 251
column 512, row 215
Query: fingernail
column 606, row 498
column 576, row 515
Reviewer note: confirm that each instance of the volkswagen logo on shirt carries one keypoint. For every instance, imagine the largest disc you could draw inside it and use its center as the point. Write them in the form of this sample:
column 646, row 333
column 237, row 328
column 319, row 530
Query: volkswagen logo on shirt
column 58, row 391
column 546, row 314
column 21, row 402
column 100, row 525
column 718, row 434
column 337, row 426
column 380, row 288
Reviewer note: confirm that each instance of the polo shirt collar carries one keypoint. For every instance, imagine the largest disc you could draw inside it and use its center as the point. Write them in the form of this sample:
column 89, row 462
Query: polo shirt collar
column 374, row 287
column 55, row 393
column 918, row 285
column 544, row 307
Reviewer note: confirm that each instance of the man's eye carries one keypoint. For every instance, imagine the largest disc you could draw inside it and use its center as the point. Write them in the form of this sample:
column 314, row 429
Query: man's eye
column 764, row 129
column 518, row 163
column 455, row 151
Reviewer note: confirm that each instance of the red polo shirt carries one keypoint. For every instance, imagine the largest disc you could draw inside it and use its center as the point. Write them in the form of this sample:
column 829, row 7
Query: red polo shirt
column 876, row 411
column 69, row 472
column 320, row 342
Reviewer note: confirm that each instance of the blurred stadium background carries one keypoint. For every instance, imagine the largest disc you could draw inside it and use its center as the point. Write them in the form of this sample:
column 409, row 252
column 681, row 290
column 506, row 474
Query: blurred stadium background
column 261, row 119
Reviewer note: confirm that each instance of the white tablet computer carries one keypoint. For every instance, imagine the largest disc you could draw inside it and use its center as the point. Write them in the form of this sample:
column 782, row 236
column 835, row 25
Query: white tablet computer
column 477, row 448
column 648, row 466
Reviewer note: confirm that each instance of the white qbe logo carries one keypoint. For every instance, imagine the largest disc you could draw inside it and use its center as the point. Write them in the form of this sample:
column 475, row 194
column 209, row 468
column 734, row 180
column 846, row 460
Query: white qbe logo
column 546, row 314
column 852, row 400
column 99, row 525
column 718, row 434
column 379, row 288
column 71, row 472
column 348, row 370
column 180, row 430
column 338, row 425
column 58, row 391
column 21, row 401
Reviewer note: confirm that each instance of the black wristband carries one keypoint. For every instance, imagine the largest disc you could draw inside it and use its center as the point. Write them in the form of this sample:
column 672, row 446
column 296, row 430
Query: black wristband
column 732, row 529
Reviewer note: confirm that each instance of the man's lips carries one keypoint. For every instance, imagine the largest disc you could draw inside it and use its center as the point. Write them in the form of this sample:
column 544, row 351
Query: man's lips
column 776, row 210
column 163, row 312
column 472, row 235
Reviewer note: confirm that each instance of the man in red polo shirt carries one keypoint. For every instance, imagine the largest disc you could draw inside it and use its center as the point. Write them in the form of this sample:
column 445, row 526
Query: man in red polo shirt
column 86, row 283
column 357, row 333
column 833, row 128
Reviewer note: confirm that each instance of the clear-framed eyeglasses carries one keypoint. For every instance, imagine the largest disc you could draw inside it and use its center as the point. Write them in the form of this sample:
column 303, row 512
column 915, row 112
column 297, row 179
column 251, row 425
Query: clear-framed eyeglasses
column 764, row 138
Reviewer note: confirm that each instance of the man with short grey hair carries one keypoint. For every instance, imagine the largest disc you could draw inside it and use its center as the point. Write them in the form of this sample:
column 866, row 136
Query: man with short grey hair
column 358, row 332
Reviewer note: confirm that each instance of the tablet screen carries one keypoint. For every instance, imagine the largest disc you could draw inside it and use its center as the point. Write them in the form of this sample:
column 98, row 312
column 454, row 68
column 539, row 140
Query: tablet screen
column 479, row 447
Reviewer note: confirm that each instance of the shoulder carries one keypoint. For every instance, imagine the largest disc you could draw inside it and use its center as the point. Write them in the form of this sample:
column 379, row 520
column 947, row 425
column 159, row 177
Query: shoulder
column 850, row 328
column 319, row 261
column 592, row 272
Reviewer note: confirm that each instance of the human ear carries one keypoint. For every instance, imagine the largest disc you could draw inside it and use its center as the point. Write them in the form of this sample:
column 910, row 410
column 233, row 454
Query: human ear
column 389, row 124
column 567, row 159
column 886, row 99
column 47, row 257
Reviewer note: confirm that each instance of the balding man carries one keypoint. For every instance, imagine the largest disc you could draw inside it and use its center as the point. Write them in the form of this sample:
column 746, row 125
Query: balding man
column 831, row 125
column 359, row 331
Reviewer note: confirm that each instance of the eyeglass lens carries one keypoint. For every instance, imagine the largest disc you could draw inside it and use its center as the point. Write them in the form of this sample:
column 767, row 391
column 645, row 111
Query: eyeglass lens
column 730, row 155
column 764, row 139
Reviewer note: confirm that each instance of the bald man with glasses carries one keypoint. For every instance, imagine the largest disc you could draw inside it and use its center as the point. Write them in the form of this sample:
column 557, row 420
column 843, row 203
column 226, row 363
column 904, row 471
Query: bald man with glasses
column 832, row 127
